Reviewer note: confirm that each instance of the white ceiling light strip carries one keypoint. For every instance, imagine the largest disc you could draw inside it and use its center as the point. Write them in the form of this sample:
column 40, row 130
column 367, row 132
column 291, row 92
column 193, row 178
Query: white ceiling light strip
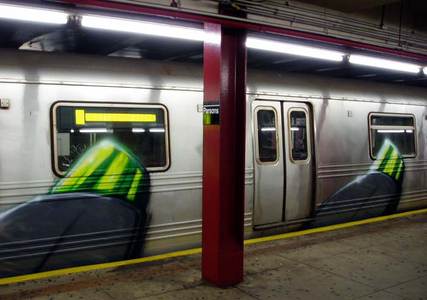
column 383, row 63
column 293, row 49
column 42, row 15
column 142, row 27
column 30, row 14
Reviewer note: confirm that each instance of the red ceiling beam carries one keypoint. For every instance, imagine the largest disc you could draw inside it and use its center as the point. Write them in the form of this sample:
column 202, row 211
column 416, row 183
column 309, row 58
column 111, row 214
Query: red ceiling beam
column 236, row 23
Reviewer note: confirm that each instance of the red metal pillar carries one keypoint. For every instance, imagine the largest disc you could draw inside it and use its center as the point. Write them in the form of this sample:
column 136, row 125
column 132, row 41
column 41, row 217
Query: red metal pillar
column 223, row 155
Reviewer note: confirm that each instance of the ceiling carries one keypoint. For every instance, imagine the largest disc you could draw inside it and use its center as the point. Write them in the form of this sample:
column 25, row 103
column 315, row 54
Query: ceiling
column 72, row 38
column 349, row 6
column 290, row 63
column 411, row 13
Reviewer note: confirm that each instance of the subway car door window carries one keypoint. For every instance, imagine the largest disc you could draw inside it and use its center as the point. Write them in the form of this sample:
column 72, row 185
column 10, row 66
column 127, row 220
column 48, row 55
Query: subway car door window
column 298, row 135
column 267, row 135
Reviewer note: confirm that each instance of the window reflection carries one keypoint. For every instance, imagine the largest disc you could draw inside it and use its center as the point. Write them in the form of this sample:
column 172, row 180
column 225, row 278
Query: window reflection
column 400, row 130
column 141, row 129
column 298, row 135
column 267, row 136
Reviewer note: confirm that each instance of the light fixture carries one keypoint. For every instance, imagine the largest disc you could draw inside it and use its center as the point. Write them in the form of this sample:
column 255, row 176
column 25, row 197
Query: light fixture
column 138, row 130
column 425, row 70
column 95, row 130
column 143, row 27
column 294, row 129
column 383, row 63
column 32, row 14
column 293, row 49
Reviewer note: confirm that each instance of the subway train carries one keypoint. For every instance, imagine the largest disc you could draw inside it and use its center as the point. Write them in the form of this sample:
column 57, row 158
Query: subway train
column 101, row 157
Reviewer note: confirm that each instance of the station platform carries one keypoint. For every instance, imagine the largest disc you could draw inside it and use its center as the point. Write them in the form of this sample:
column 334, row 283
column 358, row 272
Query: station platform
column 382, row 260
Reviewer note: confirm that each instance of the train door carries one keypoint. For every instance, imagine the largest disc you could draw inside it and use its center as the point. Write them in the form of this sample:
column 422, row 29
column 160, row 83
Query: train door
column 283, row 162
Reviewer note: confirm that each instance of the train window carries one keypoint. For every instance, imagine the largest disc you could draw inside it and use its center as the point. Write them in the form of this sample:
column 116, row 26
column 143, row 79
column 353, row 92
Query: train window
column 267, row 135
column 298, row 135
column 398, row 129
column 142, row 129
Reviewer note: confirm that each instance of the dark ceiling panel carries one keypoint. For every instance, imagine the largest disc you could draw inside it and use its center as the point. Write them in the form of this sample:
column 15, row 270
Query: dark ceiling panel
column 14, row 34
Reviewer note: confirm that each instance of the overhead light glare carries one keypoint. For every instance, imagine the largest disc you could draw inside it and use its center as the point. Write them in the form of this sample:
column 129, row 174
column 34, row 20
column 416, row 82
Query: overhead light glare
column 95, row 130
column 383, row 63
column 31, row 14
column 293, row 49
column 425, row 70
column 268, row 129
column 391, row 131
column 143, row 27
column 157, row 130
column 138, row 130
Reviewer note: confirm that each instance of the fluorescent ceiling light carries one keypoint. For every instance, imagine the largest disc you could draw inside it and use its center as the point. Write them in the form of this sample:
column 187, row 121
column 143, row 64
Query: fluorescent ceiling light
column 39, row 15
column 95, row 130
column 294, row 129
column 137, row 130
column 293, row 49
column 383, row 63
column 425, row 71
column 142, row 27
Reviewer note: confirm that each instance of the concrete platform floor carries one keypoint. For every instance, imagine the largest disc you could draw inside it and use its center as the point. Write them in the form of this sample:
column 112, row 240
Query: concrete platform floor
column 386, row 260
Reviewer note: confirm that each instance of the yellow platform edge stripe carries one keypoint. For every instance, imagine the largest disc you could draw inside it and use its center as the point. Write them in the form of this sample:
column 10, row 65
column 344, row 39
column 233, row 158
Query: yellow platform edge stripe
column 73, row 270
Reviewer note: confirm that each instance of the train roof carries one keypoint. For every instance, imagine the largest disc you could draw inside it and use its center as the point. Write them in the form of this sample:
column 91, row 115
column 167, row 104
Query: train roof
column 76, row 69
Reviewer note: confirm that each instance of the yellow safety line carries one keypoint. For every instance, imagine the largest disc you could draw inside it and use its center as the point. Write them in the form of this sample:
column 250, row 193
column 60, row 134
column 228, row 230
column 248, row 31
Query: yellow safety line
column 68, row 271
column 115, row 264
column 333, row 227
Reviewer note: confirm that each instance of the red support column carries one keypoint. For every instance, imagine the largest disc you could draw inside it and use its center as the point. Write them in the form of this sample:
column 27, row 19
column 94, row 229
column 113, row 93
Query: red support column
column 223, row 155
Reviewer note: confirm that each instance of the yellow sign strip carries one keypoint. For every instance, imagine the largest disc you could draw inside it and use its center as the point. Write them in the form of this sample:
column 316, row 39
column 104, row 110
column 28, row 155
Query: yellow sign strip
column 83, row 117
column 80, row 116
column 68, row 271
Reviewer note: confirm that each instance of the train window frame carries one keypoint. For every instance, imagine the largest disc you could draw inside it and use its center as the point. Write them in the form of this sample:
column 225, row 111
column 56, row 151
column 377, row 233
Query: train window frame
column 53, row 124
column 392, row 127
column 276, row 125
column 307, row 126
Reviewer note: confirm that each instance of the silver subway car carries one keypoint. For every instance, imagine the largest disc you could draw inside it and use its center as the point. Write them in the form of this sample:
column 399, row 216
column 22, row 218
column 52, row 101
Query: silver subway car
column 101, row 158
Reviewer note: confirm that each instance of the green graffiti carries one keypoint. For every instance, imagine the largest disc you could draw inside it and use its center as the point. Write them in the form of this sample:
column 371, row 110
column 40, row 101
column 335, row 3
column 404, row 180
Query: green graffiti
column 389, row 161
column 109, row 169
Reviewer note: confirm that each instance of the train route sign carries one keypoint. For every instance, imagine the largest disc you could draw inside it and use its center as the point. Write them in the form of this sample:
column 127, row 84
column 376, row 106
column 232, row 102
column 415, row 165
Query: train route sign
column 211, row 114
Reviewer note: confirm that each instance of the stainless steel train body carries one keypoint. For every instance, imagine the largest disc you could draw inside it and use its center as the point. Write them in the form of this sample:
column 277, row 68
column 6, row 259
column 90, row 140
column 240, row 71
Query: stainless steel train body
column 282, row 190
